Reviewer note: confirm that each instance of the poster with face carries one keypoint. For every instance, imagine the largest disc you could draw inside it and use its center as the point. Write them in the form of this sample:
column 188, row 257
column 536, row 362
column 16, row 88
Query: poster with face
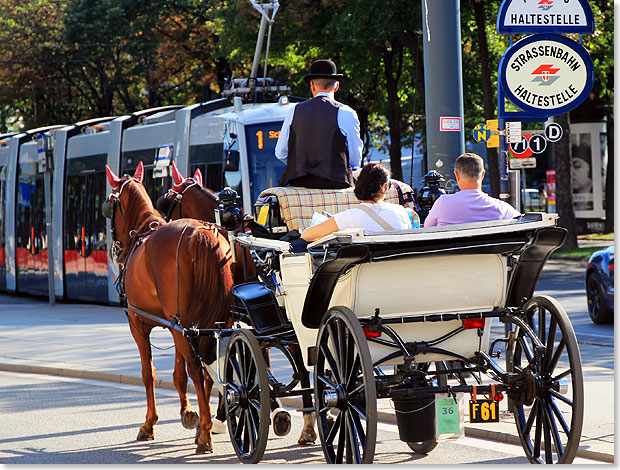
column 583, row 195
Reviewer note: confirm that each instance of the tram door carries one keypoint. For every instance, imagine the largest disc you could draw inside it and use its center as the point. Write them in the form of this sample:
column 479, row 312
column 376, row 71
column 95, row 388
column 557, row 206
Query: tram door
column 84, row 232
column 31, row 237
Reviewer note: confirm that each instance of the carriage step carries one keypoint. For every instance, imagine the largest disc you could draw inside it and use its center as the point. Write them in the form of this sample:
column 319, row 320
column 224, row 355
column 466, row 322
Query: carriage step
column 304, row 410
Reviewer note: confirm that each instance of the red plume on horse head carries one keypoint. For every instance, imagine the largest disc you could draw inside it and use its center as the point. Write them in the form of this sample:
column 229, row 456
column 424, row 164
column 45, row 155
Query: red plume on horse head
column 115, row 180
column 178, row 178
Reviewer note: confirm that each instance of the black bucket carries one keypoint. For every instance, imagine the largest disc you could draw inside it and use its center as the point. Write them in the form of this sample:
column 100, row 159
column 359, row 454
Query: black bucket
column 415, row 417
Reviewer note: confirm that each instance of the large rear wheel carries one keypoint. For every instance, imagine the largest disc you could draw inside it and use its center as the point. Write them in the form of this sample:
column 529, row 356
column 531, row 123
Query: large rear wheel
column 548, row 407
column 345, row 390
column 247, row 396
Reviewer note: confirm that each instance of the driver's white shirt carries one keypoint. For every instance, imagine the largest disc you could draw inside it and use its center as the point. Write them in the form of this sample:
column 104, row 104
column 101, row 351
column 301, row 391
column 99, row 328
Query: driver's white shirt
column 393, row 214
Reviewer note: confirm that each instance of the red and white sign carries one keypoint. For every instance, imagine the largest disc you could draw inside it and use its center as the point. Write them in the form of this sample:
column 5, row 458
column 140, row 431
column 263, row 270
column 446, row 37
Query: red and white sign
column 450, row 124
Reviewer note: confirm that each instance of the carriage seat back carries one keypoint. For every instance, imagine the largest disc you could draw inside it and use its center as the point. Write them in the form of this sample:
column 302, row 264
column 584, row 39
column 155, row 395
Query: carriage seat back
column 297, row 205
column 261, row 306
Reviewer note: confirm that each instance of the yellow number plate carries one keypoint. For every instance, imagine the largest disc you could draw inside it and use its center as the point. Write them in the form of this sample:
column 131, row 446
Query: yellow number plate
column 483, row 411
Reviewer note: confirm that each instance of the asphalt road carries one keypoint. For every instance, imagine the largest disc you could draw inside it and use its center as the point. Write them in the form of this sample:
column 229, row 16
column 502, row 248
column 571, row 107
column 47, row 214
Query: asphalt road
column 53, row 420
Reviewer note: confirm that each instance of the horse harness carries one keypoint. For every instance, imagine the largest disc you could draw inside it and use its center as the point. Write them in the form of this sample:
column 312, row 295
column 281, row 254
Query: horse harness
column 175, row 198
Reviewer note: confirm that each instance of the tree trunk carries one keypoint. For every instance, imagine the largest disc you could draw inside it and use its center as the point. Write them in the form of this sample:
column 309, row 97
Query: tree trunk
column 488, row 96
column 564, row 181
column 609, row 179
column 393, row 113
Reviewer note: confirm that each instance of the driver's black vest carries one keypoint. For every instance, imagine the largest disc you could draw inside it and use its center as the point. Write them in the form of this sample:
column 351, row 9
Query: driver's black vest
column 316, row 146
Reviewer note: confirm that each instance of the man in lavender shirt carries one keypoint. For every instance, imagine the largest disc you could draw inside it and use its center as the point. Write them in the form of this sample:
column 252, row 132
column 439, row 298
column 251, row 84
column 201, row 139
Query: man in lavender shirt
column 470, row 204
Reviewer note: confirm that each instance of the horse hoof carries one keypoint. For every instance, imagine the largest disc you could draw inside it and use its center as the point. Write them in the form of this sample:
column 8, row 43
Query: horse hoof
column 189, row 419
column 144, row 436
column 308, row 436
column 219, row 427
column 204, row 448
column 281, row 422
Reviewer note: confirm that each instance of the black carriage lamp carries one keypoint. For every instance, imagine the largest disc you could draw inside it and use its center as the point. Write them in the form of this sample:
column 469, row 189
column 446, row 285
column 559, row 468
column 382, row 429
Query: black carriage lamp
column 228, row 213
column 431, row 191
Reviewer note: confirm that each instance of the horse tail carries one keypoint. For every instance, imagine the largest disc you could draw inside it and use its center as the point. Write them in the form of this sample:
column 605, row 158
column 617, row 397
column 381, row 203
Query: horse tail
column 211, row 286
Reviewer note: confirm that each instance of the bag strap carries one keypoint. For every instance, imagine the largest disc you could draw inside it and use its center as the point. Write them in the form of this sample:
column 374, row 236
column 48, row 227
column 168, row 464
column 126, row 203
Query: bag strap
column 376, row 217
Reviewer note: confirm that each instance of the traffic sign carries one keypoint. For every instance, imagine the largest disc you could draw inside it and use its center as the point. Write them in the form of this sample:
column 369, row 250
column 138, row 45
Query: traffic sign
column 513, row 132
column 537, row 143
column 545, row 16
column 521, row 149
column 481, row 133
column 553, row 132
column 546, row 74
column 493, row 127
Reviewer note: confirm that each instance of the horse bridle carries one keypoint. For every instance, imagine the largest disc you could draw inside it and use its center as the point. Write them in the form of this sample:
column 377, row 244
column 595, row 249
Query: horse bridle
column 175, row 198
column 108, row 209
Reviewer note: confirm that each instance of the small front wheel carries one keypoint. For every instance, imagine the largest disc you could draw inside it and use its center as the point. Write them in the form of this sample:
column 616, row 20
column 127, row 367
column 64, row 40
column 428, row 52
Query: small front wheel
column 247, row 396
column 345, row 390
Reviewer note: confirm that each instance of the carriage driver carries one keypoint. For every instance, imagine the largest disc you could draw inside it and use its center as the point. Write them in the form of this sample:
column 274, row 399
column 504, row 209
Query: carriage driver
column 320, row 138
column 470, row 204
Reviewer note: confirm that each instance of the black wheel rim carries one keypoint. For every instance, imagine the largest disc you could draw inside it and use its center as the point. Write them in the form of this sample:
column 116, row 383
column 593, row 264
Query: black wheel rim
column 550, row 428
column 344, row 400
column 245, row 399
column 594, row 299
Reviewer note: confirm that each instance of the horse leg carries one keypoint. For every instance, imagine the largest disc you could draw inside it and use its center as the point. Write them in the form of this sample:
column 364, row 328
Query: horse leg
column 141, row 333
column 203, row 386
column 308, row 434
column 189, row 418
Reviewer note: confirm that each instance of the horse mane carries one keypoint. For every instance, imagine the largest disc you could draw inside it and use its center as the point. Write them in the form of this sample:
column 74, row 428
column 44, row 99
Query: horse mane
column 208, row 193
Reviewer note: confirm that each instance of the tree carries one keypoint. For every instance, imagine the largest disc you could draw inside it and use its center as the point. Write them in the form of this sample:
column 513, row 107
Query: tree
column 564, row 182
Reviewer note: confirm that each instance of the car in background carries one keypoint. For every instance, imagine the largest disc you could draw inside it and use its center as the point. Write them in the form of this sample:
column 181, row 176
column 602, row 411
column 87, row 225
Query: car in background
column 600, row 285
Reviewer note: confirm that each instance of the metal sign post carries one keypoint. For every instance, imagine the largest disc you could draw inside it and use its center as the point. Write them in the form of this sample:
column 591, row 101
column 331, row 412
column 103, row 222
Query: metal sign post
column 44, row 151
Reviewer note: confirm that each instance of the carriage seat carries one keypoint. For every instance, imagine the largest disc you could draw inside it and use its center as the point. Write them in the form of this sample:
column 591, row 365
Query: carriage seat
column 260, row 304
column 297, row 205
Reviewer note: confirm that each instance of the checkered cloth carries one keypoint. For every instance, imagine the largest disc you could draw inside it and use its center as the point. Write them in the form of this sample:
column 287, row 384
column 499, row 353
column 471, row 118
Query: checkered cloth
column 297, row 205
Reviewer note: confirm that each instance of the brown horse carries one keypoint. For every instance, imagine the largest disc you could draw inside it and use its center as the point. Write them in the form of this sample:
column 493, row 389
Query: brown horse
column 179, row 272
column 187, row 198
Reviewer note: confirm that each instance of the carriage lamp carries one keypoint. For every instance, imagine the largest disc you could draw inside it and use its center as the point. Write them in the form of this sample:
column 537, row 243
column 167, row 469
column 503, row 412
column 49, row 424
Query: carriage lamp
column 228, row 213
column 431, row 191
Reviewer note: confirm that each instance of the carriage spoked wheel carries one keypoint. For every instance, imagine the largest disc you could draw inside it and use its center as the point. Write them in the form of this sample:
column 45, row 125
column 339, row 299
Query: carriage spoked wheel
column 549, row 406
column 247, row 396
column 345, row 391
column 424, row 447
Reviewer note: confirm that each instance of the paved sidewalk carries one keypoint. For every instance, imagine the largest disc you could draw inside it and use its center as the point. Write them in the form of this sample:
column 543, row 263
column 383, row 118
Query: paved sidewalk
column 93, row 341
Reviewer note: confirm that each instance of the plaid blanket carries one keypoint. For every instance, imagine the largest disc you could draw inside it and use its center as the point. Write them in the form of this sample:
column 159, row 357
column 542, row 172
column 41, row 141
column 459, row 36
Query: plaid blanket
column 298, row 204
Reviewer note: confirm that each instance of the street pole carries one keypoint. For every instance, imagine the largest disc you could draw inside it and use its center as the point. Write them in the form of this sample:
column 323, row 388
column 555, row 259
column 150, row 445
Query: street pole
column 445, row 135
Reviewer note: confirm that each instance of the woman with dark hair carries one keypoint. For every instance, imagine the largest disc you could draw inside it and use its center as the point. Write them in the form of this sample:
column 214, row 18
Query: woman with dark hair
column 373, row 214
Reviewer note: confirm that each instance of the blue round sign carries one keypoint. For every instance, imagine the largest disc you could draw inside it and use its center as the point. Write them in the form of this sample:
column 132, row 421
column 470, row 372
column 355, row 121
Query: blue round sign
column 546, row 74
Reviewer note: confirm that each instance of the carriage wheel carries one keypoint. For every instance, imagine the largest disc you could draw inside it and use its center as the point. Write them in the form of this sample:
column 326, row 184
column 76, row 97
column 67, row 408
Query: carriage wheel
column 549, row 418
column 247, row 396
column 424, row 447
column 345, row 390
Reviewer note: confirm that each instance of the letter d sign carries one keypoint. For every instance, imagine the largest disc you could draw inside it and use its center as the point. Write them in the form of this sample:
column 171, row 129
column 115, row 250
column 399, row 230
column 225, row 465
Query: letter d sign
column 553, row 132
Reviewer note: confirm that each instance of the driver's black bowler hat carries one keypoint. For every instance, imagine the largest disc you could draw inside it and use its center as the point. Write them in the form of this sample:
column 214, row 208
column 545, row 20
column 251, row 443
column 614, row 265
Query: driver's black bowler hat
column 323, row 68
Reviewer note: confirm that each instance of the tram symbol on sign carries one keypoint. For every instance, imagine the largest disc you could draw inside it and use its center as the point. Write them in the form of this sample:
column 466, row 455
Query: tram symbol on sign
column 545, row 4
column 545, row 75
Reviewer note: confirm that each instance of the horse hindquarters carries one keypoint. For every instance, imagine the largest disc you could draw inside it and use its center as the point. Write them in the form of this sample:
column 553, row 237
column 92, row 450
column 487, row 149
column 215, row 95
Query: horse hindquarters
column 208, row 303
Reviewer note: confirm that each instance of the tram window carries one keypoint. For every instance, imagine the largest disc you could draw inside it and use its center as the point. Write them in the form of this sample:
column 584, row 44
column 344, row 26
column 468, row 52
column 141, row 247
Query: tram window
column 266, row 170
column 97, row 227
column 74, row 211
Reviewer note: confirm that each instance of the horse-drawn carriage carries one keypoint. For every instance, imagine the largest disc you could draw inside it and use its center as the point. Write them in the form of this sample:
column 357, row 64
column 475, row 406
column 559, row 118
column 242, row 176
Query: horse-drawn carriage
column 405, row 316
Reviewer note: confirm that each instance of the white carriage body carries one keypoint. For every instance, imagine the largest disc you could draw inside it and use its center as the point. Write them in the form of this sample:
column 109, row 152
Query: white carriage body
column 423, row 284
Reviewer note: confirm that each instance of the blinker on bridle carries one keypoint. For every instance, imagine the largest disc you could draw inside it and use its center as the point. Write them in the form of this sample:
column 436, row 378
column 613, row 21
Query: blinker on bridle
column 174, row 198
column 108, row 211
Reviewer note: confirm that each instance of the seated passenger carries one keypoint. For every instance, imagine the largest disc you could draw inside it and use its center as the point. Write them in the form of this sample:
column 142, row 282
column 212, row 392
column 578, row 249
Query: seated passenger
column 470, row 204
column 372, row 215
